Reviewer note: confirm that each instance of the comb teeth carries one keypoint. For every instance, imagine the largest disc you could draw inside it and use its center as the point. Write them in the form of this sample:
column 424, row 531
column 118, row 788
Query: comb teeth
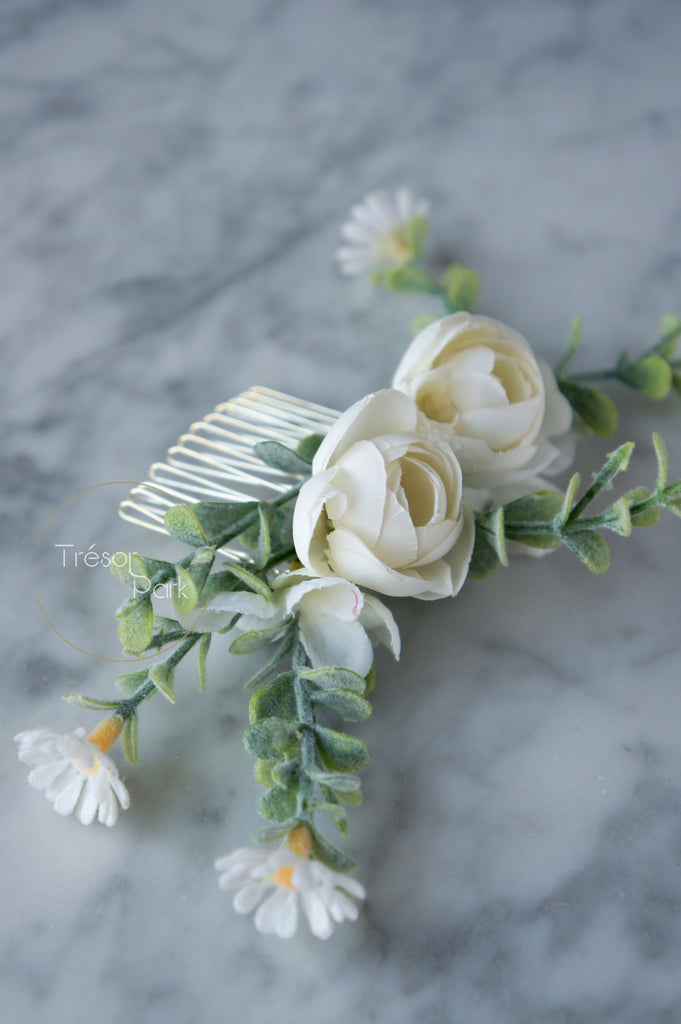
column 214, row 461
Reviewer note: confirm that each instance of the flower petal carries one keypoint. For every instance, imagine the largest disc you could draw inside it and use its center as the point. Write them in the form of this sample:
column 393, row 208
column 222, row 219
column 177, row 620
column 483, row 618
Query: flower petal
column 317, row 915
column 306, row 518
column 383, row 412
column 332, row 643
column 380, row 623
column 352, row 559
column 248, row 898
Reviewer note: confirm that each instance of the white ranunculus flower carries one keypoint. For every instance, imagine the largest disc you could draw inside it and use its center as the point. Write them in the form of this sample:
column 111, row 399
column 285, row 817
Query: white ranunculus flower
column 338, row 623
column 478, row 384
column 383, row 507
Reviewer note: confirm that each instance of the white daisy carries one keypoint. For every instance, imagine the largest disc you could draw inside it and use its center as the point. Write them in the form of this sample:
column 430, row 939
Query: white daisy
column 272, row 883
column 381, row 229
column 77, row 776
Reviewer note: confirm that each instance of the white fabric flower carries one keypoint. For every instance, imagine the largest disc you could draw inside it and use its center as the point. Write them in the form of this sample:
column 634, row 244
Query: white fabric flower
column 273, row 884
column 378, row 231
column 78, row 778
column 478, row 384
column 383, row 507
column 338, row 623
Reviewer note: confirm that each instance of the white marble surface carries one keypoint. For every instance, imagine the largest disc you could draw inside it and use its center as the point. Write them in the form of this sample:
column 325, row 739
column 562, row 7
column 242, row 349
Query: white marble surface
column 173, row 176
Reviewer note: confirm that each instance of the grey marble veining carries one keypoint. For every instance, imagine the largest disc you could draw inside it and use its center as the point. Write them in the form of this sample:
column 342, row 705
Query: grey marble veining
column 173, row 178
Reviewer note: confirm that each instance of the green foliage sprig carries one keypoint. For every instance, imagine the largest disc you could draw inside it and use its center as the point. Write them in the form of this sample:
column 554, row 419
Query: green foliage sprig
column 551, row 519
column 653, row 373
column 307, row 767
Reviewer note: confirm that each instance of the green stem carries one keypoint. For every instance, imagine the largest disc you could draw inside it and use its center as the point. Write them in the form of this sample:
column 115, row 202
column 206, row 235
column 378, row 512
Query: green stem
column 307, row 750
column 518, row 530
column 127, row 708
column 595, row 375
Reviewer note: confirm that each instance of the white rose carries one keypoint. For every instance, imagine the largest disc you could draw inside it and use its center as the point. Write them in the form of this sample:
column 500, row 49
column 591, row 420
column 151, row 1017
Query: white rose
column 384, row 507
column 477, row 383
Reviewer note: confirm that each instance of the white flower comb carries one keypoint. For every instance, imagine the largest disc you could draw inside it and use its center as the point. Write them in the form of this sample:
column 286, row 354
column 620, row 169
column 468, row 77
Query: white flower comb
column 214, row 460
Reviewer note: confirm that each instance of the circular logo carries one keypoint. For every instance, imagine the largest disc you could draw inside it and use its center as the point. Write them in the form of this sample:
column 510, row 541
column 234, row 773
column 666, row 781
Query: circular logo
column 77, row 572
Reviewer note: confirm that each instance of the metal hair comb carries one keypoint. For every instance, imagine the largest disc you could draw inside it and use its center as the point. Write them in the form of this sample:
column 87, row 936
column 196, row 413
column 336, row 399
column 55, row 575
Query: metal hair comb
column 214, row 461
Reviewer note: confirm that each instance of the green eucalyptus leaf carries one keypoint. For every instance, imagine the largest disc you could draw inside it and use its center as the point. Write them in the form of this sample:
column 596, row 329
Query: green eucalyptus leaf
column 182, row 523
column 651, row 375
column 256, row 639
column 185, row 592
column 270, row 835
column 662, row 456
column 339, row 752
column 484, row 560
column 492, row 523
column 348, row 705
column 308, row 447
column 595, row 409
column 323, row 850
column 190, row 580
column 338, row 815
column 283, row 651
column 135, row 570
column 617, row 462
column 286, row 773
column 572, row 345
column 278, row 804
column 249, row 581
column 164, row 625
column 163, row 678
column 281, row 529
column 335, row 679
column 338, row 783
column 264, row 546
column 674, row 506
column 263, row 771
column 647, row 516
column 136, row 625
column 272, row 738
column 590, row 548
column 220, row 583
column 79, row 700
column 670, row 333
column 275, row 700
column 204, row 521
column 130, row 682
column 129, row 739
column 278, row 456
column 352, row 798
column 204, row 647
column 563, row 514
column 462, row 286
column 617, row 517
column 540, row 507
